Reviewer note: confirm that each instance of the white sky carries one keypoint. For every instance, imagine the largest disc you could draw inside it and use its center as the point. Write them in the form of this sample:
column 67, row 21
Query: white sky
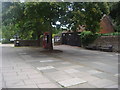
column 58, row 23
column 22, row 0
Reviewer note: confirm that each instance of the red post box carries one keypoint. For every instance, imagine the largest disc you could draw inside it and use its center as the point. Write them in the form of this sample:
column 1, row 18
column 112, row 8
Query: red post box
column 46, row 42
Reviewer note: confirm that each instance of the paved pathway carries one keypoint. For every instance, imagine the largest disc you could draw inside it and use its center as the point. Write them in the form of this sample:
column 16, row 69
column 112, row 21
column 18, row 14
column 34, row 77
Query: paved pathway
column 27, row 67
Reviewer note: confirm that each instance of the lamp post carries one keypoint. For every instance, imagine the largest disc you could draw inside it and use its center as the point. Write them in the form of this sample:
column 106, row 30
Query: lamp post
column 17, row 41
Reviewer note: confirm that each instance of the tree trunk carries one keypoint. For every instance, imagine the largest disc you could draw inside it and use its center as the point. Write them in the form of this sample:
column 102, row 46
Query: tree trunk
column 38, row 39
column 50, row 39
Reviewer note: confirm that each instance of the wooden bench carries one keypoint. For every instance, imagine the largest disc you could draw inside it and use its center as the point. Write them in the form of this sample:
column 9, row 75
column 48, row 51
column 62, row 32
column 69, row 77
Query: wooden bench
column 91, row 47
column 106, row 48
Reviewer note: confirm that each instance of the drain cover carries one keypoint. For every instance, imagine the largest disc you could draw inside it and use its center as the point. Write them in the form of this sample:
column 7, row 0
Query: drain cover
column 45, row 68
column 71, row 82
column 48, row 60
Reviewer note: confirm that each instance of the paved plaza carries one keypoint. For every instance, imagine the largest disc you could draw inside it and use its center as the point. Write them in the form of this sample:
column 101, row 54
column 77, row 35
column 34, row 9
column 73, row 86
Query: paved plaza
column 72, row 67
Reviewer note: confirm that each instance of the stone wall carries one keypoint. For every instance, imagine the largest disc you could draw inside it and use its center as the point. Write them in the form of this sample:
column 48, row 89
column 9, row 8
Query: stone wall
column 28, row 43
column 108, row 40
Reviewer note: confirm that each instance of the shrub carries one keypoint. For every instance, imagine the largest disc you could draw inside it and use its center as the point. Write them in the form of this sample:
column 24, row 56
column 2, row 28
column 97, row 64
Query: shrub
column 88, row 37
column 111, row 34
column 6, row 42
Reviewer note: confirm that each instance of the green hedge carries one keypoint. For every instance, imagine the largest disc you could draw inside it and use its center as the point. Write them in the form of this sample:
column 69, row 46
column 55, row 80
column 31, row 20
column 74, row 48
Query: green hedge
column 111, row 34
column 6, row 42
column 88, row 37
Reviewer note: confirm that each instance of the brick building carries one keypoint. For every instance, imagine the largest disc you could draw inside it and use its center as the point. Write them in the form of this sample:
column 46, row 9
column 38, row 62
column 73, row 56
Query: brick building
column 106, row 25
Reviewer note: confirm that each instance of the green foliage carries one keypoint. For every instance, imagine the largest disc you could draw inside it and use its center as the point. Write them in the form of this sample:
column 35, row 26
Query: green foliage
column 0, row 35
column 6, row 41
column 88, row 37
column 57, row 30
column 88, row 14
column 117, row 28
column 94, row 12
column 30, row 19
column 115, row 14
column 8, row 32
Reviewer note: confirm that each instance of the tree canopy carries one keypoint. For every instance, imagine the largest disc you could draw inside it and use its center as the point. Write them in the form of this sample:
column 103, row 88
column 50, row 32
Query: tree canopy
column 88, row 14
column 31, row 19
column 115, row 14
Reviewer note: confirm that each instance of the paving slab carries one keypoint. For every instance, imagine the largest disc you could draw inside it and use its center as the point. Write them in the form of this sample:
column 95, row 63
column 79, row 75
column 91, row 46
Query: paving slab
column 0, row 85
column 99, row 63
column 60, row 77
column 29, row 82
column 85, row 69
column 41, row 80
column 45, row 68
column 72, row 71
column 66, row 63
column 102, row 83
column 83, row 85
column 35, row 87
column 90, row 78
column 65, row 67
column 70, row 82
column 32, row 76
column 38, row 64
column 94, row 72
column 105, row 67
column 79, row 74
column 44, row 61
column 36, row 81
column 49, row 70
column 73, row 66
column 116, row 75
column 106, row 76
column 48, row 85
column 112, row 86
column 11, row 71
column 6, row 68
column 6, row 74
column 3, row 84
column 57, row 73
column 58, row 65
column 29, row 72
column 12, row 78
column 13, row 83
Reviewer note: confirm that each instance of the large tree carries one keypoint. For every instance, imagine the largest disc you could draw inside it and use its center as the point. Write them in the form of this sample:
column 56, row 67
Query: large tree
column 93, row 13
column 115, row 14
column 45, row 14
column 33, row 18
column 11, row 14
column 86, row 13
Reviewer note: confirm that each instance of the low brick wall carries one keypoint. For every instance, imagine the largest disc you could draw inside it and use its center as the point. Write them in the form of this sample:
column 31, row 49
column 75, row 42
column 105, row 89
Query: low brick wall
column 27, row 43
column 108, row 40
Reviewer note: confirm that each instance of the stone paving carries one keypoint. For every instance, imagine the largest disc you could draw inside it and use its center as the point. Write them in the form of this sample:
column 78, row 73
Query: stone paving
column 28, row 67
